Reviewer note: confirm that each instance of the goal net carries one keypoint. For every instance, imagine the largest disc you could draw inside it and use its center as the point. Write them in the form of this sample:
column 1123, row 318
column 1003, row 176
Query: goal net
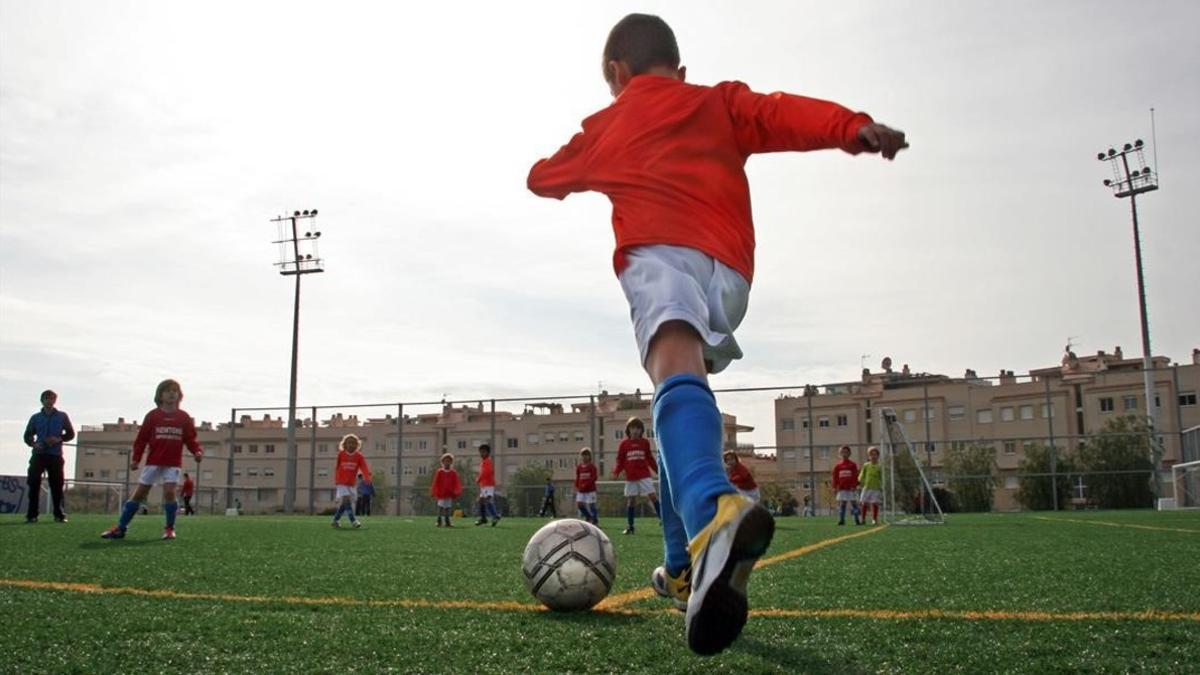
column 908, row 497
column 1185, row 476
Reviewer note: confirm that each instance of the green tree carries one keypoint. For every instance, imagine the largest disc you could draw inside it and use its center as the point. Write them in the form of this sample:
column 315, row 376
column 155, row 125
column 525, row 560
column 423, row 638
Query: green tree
column 1121, row 446
column 1037, row 487
column 526, row 488
column 971, row 477
column 383, row 495
column 777, row 498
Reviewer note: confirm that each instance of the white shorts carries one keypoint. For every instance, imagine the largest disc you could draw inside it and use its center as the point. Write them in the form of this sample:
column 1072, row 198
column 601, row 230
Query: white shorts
column 846, row 496
column 347, row 491
column 585, row 497
column 489, row 491
column 637, row 488
column 871, row 497
column 445, row 503
column 752, row 494
column 152, row 474
column 674, row 283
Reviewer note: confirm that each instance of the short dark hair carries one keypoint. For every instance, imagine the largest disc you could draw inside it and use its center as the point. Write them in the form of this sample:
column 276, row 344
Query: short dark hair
column 640, row 41
column 48, row 392
column 485, row 447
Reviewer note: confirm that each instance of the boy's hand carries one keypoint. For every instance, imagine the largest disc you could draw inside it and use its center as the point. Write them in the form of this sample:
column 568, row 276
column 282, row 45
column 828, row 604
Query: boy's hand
column 882, row 139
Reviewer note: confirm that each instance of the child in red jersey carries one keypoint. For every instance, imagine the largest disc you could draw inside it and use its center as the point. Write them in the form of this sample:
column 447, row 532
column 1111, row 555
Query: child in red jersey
column 350, row 463
column 845, row 481
column 740, row 476
column 585, row 487
column 671, row 156
column 445, row 488
column 166, row 430
column 486, row 480
column 187, row 490
column 635, row 458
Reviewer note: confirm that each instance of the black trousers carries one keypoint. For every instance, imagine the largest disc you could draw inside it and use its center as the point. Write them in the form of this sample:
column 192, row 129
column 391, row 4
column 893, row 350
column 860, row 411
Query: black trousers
column 52, row 465
column 548, row 505
column 187, row 506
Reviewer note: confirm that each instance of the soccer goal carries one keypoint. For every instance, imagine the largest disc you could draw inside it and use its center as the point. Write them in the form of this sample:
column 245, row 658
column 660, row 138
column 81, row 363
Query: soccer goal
column 908, row 497
column 1185, row 478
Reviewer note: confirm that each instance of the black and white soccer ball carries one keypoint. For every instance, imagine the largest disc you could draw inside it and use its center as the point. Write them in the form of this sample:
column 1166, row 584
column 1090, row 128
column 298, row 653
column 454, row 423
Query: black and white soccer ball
column 569, row 565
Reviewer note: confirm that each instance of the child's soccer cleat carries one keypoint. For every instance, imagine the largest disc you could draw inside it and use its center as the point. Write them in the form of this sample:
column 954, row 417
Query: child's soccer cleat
column 481, row 521
column 676, row 589
column 723, row 554
column 336, row 525
column 495, row 522
column 61, row 519
column 169, row 533
column 357, row 524
column 628, row 530
column 114, row 532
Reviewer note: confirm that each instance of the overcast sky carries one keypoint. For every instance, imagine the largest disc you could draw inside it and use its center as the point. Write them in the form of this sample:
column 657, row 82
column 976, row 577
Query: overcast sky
column 145, row 146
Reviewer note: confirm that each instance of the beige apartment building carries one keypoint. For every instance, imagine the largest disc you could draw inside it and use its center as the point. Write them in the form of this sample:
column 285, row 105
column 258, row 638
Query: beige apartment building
column 547, row 434
column 1056, row 406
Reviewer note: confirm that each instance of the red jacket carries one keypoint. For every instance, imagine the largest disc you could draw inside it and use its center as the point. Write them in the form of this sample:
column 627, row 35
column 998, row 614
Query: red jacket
column 349, row 465
column 585, row 477
column 671, row 158
column 166, row 434
column 446, row 484
column 741, row 477
column 845, row 475
column 487, row 473
column 635, row 459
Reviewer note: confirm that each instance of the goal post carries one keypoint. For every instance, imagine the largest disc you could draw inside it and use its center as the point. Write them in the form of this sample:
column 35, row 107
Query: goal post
column 908, row 497
column 1185, row 478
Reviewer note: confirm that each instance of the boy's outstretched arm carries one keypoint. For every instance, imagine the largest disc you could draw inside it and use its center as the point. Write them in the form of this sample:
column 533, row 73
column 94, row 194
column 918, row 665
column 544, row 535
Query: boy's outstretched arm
column 561, row 174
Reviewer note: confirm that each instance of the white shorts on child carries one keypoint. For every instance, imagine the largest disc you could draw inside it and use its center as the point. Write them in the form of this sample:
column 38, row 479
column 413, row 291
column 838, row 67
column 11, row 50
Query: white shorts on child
column 871, row 497
column 347, row 491
column 846, row 496
column 674, row 283
column 752, row 494
column 445, row 503
column 489, row 491
column 152, row 474
column 638, row 488
column 585, row 497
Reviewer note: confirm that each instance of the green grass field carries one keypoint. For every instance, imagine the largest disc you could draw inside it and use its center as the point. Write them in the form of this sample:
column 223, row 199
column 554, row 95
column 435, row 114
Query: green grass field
column 1098, row 592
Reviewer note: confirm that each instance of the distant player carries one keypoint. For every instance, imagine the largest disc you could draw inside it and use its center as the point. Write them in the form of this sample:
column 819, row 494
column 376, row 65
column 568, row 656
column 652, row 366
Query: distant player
column 350, row 463
column 740, row 476
column 548, row 501
column 635, row 459
column 585, row 487
column 845, row 481
column 671, row 158
column 870, row 477
column 186, row 491
column 486, row 480
column 445, row 488
column 166, row 430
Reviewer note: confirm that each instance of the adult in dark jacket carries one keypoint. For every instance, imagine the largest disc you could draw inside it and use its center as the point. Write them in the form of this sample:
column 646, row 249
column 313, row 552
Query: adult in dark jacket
column 46, row 432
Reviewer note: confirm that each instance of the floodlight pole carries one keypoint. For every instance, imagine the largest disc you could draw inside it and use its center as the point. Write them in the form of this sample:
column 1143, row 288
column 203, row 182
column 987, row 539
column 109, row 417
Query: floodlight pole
column 295, row 265
column 1127, row 183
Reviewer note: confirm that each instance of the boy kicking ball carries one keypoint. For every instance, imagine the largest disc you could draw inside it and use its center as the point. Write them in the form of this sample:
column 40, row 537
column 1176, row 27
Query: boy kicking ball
column 671, row 158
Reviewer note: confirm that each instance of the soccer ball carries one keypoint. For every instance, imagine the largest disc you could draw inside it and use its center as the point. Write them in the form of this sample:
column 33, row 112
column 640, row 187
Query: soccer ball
column 569, row 565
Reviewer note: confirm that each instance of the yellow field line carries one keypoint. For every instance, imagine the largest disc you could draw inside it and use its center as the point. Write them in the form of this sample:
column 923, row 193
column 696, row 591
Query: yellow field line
column 616, row 601
column 1103, row 522
column 509, row 606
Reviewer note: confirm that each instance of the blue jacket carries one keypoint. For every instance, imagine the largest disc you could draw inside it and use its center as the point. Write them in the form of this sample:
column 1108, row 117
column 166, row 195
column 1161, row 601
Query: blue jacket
column 45, row 424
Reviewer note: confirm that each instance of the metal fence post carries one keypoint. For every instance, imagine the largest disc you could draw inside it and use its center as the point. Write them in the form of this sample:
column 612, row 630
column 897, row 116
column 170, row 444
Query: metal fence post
column 399, row 455
column 812, row 473
column 232, row 452
column 312, row 464
column 1053, row 449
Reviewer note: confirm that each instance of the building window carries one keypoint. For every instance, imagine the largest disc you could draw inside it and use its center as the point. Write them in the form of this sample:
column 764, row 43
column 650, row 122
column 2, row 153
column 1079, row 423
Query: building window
column 823, row 422
column 268, row 472
column 549, row 438
column 423, row 444
column 89, row 474
column 1047, row 410
column 618, row 434
column 824, row 450
column 957, row 412
column 1130, row 402
column 787, row 424
column 254, row 448
column 1027, row 412
column 929, row 414
column 269, row 448
column 89, row 452
column 984, row 416
column 578, row 436
column 251, row 472
column 807, row 453
column 324, row 447
column 237, row 449
column 379, row 447
column 1106, row 404
column 462, row 444
column 804, row 423
column 1010, row 447
column 421, row 470
column 789, row 454
column 1187, row 398
column 510, row 443
column 843, row 420
column 1006, row 414
column 910, row 415
column 407, row 445
column 532, row 439
column 549, row 464
column 958, row 446
column 237, row 472
column 564, row 436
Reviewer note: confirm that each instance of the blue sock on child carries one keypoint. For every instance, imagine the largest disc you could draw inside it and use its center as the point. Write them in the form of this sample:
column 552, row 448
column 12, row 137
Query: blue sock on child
column 689, row 429
column 657, row 508
column 595, row 514
column 675, row 540
column 127, row 513
column 491, row 508
column 841, row 512
column 629, row 515
column 171, row 508
column 338, row 514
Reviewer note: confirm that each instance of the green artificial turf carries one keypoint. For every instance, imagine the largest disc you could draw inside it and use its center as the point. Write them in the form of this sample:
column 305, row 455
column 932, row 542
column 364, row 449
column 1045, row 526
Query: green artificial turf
column 1019, row 563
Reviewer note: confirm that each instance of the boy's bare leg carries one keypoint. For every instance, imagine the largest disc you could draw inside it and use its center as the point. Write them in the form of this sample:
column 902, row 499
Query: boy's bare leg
column 674, row 350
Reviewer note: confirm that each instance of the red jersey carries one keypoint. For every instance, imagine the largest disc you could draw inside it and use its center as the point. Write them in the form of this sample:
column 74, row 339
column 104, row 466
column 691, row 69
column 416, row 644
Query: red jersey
column 635, row 459
column 349, row 465
column 671, row 158
column 446, row 484
column 487, row 474
column 741, row 477
column 166, row 434
column 845, row 475
column 189, row 487
column 585, row 477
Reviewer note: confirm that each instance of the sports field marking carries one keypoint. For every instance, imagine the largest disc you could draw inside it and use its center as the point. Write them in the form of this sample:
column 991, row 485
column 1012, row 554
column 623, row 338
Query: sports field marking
column 1108, row 524
column 617, row 601
column 878, row 614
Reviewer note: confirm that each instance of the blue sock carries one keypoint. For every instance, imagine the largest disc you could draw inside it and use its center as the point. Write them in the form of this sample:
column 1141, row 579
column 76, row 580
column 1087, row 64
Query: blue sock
column 337, row 515
column 583, row 511
column 841, row 512
column 689, row 429
column 170, row 508
column 350, row 512
column 127, row 513
column 482, row 510
column 675, row 541
column 629, row 515
column 595, row 515
column 657, row 508
column 491, row 507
